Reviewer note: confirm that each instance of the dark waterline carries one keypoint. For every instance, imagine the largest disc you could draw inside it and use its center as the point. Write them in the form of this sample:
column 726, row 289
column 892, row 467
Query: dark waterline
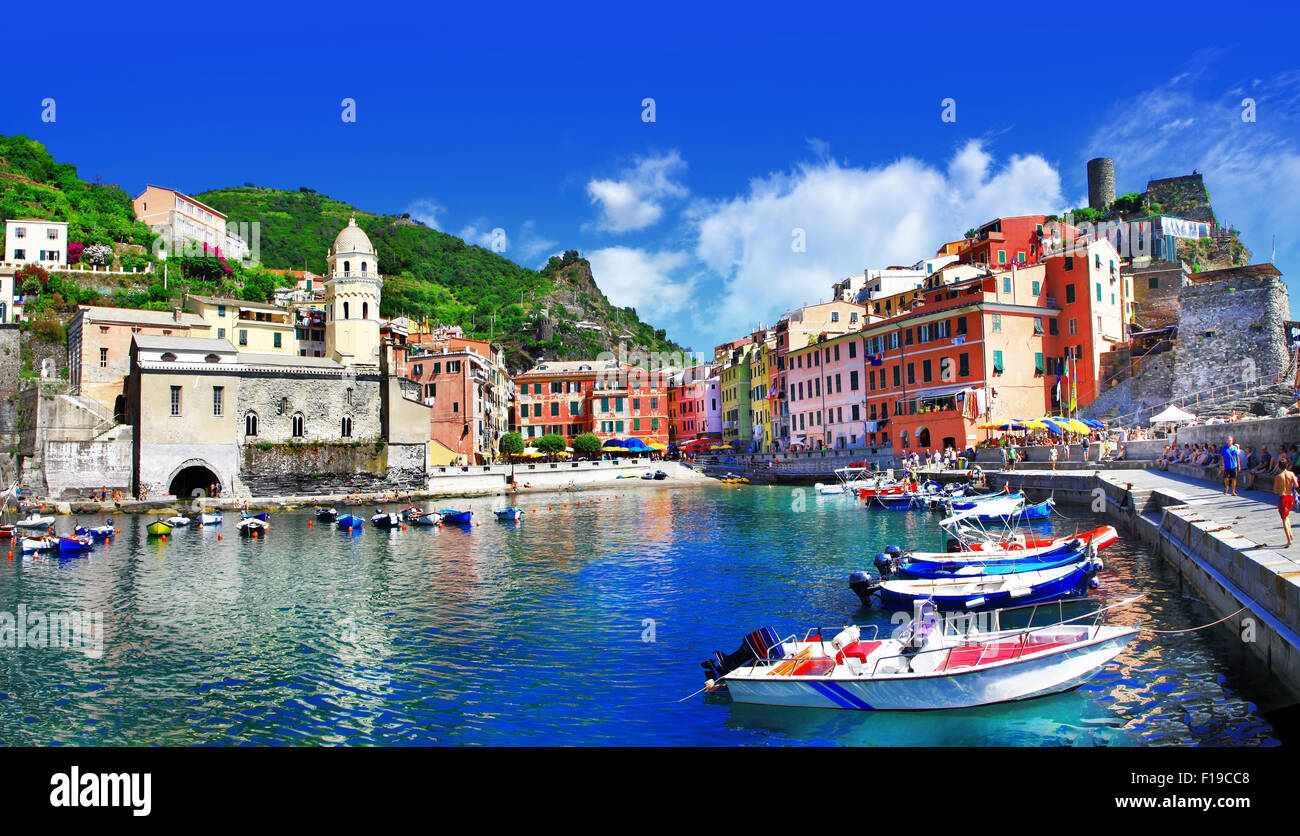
column 535, row 634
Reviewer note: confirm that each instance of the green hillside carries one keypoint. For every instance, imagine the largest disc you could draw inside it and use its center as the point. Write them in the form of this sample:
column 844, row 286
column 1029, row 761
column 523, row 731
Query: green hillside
column 429, row 275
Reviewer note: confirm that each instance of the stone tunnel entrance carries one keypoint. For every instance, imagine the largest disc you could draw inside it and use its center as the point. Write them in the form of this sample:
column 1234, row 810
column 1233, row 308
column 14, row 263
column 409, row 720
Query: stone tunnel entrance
column 194, row 480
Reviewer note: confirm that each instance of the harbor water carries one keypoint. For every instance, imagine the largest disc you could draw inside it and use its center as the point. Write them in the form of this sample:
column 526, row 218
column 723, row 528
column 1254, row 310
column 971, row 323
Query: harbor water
column 584, row 624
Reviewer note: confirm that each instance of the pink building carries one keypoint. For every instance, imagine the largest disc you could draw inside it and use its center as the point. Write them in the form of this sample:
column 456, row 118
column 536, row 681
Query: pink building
column 689, row 405
column 827, row 393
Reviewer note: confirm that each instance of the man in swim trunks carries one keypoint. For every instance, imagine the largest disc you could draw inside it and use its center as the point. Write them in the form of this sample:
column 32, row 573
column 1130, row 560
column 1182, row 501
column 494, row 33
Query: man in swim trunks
column 1284, row 485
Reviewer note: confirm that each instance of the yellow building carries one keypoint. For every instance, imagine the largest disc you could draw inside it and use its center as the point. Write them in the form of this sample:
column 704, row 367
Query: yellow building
column 249, row 326
column 761, row 367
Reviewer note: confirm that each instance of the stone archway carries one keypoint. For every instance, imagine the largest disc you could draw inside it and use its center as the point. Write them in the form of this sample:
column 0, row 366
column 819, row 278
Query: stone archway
column 193, row 478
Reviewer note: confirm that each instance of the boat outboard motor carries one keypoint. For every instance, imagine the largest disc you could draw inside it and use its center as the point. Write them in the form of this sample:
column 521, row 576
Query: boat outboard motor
column 885, row 564
column 864, row 586
column 763, row 643
column 953, row 545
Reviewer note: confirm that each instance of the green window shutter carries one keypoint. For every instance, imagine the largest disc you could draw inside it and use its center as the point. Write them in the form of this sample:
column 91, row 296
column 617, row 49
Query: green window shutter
column 997, row 362
column 1036, row 287
column 1038, row 363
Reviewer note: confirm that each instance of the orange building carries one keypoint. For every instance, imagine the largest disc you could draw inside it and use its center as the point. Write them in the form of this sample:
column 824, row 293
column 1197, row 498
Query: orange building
column 610, row 399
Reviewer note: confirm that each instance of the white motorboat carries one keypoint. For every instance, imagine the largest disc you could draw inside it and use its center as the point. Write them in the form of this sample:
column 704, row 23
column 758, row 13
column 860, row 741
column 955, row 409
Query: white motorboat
column 1003, row 507
column 851, row 480
column 39, row 544
column 35, row 521
column 210, row 519
column 178, row 520
column 931, row 662
column 1014, row 548
column 253, row 526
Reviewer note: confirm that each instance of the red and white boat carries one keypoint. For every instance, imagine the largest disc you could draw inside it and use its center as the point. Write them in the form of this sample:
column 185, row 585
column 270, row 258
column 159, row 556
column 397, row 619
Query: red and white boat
column 1015, row 547
column 932, row 662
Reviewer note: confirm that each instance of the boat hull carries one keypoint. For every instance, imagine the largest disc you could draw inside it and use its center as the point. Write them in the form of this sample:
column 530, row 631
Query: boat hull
column 1036, row 675
column 457, row 517
column 976, row 594
column 158, row 529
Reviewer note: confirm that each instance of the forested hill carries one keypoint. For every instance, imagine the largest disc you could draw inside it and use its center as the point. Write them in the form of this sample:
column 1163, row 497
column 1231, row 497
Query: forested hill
column 429, row 275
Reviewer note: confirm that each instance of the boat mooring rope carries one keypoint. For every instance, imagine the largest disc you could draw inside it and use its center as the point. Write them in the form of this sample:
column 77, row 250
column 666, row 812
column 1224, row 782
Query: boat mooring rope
column 1202, row 627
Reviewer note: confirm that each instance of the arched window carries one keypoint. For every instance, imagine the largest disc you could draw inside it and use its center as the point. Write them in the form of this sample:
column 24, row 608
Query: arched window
column 250, row 424
column 363, row 268
column 365, row 310
column 346, row 430
column 283, row 406
column 3, row 311
column 213, row 358
column 347, row 267
column 168, row 357
column 345, row 310
column 297, row 425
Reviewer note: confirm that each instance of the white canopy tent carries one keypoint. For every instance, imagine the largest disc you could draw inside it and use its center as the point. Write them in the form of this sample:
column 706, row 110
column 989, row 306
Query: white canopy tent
column 1172, row 415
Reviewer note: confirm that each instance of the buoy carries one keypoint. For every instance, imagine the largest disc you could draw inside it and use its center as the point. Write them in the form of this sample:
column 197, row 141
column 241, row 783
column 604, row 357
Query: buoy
column 254, row 535
column 11, row 555
column 218, row 536
column 403, row 527
column 310, row 523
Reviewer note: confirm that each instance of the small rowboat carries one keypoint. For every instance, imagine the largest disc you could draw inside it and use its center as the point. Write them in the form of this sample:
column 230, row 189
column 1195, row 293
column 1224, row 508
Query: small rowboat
column 158, row 528
column 263, row 516
column 456, row 517
column 179, row 520
column 509, row 513
column 35, row 522
column 98, row 531
column 931, row 662
column 350, row 522
column 326, row 514
column 6, row 532
column 73, row 544
column 210, row 519
column 250, row 526
column 978, row 593
column 38, row 544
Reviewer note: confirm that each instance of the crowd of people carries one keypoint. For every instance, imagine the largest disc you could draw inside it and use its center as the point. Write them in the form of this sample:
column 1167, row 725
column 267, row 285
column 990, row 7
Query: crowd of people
column 1247, row 463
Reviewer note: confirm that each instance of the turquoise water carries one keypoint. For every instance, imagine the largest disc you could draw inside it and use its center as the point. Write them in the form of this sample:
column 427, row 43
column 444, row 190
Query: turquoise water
column 536, row 634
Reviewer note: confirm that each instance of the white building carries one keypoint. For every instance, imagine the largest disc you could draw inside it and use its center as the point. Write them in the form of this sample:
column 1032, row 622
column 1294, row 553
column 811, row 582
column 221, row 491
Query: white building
column 32, row 241
column 180, row 219
column 888, row 281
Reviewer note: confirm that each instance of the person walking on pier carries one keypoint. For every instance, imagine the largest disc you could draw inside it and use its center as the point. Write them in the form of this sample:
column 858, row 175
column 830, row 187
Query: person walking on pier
column 1285, row 486
column 1231, row 457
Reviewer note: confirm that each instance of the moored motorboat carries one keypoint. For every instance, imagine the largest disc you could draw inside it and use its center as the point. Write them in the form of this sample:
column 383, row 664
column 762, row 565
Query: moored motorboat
column 97, row 531
column 385, row 519
column 660, row 475
column 210, row 519
column 75, row 543
column 327, row 514
column 931, row 662
column 893, row 564
column 7, row 532
column 994, row 512
column 262, row 516
column 179, row 520
column 34, row 521
column 38, row 544
column 1009, row 549
column 251, row 526
column 350, row 522
column 509, row 513
column 418, row 516
column 981, row 592
column 452, row 515
column 159, row 528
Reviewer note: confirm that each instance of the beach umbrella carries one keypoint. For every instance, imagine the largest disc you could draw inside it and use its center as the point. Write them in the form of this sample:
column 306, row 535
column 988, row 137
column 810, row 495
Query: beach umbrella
column 657, row 446
column 635, row 444
column 1036, row 425
column 1096, row 425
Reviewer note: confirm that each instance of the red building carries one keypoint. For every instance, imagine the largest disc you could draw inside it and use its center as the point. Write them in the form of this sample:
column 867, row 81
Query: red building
column 612, row 400
column 1005, row 241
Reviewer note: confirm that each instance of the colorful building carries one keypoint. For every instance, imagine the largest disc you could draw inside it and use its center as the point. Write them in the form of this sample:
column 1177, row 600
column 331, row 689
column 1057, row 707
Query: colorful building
column 250, row 326
column 1005, row 241
column 827, row 393
column 609, row 399
column 184, row 222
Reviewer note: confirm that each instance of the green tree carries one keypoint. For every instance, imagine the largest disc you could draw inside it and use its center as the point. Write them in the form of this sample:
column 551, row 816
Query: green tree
column 587, row 445
column 550, row 444
column 512, row 444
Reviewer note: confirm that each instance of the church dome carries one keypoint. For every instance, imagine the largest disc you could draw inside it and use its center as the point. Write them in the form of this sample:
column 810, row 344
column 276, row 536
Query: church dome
column 353, row 239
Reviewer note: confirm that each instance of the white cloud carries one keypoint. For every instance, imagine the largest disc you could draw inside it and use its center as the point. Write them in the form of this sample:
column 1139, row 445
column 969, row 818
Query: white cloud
column 643, row 280
column 852, row 218
column 1252, row 169
column 524, row 247
column 636, row 200
column 426, row 211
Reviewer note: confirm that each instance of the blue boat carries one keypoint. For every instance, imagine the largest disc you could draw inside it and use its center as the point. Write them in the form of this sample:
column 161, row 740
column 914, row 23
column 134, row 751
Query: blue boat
column 1054, row 559
column 983, row 592
column 69, row 545
column 326, row 514
column 968, row 502
column 263, row 516
column 99, row 532
column 509, row 513
column 351, row 521
column 459, row 517
column 1041, row 511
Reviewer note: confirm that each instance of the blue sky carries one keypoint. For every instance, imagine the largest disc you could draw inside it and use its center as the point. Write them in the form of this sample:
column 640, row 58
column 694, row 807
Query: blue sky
column 768, row 118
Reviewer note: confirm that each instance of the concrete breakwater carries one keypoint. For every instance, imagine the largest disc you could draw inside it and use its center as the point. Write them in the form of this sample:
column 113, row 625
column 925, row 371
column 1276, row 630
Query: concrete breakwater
column 1228, row 550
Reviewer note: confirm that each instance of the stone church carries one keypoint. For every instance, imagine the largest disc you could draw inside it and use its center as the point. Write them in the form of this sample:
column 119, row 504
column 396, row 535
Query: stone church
column 208, row 417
